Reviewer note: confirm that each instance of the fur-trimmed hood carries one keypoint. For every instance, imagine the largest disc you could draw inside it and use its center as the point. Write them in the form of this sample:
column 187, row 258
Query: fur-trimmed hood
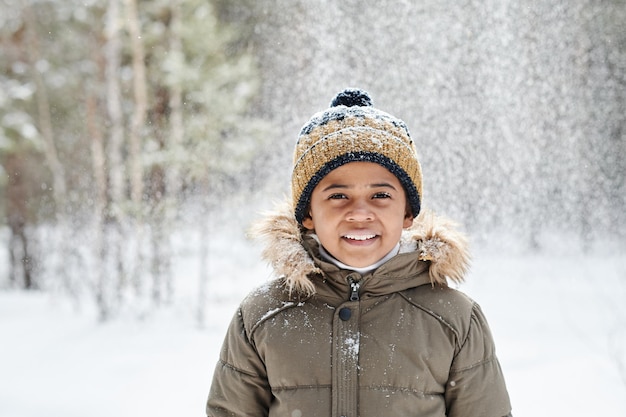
column 432, row 238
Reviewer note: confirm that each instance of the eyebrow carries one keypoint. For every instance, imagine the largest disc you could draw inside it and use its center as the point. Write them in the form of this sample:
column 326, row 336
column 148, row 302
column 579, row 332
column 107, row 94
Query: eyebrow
column 375, row 185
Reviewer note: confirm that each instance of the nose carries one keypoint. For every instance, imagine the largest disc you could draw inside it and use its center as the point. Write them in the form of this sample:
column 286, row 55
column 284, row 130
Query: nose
column 360, row 212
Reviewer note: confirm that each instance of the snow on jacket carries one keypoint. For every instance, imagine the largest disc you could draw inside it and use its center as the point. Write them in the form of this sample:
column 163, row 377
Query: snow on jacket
column 321, row 341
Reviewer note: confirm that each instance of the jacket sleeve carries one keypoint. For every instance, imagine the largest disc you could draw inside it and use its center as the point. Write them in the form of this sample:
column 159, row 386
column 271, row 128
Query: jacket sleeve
column 240, row 386
column 476, row 385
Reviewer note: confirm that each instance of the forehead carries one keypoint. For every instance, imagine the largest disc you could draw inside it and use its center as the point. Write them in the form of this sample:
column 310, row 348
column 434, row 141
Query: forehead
column 360, row 173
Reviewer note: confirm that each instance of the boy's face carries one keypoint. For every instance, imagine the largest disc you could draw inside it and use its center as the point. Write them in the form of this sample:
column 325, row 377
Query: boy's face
column 358, row 212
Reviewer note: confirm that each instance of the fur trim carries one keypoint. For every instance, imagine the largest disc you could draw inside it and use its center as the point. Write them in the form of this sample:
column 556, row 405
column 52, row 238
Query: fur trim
column 439, row 241
column 433, row 238
column 284, row 250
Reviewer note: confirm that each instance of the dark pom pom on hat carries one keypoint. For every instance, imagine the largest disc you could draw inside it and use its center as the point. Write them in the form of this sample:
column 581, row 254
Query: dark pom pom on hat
column 352, row 97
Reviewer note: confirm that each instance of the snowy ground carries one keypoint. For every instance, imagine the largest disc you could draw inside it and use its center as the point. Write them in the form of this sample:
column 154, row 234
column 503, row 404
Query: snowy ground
column 560, row 327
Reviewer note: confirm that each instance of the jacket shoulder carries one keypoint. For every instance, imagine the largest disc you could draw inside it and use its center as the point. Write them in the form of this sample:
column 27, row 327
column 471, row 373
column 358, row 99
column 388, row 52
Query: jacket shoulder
column 264, row 302
column 450, row 307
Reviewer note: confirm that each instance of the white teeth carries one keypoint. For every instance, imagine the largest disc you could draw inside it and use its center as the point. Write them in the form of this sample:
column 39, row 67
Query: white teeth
column 359, row 237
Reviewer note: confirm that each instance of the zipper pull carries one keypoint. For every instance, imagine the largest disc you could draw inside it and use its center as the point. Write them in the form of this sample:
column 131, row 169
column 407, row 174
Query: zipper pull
column 355, row 285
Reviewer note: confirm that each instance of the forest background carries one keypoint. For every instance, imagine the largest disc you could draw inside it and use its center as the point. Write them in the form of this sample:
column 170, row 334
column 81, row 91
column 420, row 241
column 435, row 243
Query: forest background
column 129, row 128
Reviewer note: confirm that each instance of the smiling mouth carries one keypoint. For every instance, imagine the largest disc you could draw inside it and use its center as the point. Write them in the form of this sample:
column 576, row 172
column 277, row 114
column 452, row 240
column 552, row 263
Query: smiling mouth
column 359, row 237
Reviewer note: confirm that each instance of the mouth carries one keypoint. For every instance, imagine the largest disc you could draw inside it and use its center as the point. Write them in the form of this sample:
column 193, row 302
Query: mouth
column 359, row 238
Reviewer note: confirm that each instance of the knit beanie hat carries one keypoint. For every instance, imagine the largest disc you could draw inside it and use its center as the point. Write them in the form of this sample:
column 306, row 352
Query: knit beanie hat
column 352, row 130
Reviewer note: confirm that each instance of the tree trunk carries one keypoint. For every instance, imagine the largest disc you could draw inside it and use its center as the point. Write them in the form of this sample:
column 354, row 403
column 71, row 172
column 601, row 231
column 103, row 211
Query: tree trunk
column 116, row 172
column 98, row 159
column 141, row 102
column 59, row 187
column 43, row 110
column 112, row 51
column 135, row 138
column 173, row 180
column 177, row 131
column 20, row 268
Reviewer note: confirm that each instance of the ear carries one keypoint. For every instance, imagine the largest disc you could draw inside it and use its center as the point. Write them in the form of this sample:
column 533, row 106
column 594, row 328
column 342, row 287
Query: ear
column 408, row 217
column 408, row 221
column 308, row 223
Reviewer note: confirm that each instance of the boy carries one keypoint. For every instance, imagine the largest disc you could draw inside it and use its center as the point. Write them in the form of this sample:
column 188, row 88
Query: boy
column 361, row 321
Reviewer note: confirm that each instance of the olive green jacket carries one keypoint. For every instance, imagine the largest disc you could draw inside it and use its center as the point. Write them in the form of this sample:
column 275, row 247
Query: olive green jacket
column 322, row 342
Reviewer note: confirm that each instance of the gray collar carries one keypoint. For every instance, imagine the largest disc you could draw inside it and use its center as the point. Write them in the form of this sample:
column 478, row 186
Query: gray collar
column 362, row 270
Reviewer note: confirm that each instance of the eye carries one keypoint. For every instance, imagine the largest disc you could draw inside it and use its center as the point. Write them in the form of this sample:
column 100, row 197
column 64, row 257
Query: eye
column 337, row 196
column 381, row 195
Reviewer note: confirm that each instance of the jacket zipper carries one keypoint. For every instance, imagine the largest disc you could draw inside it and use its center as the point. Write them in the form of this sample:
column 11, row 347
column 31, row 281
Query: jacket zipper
column 355, row 285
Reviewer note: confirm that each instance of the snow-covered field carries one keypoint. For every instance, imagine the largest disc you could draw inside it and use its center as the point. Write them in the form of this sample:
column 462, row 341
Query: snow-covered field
column 559, row 323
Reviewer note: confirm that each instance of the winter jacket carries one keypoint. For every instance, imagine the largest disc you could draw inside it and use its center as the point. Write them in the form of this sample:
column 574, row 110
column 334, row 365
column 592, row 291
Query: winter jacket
column 321, row 341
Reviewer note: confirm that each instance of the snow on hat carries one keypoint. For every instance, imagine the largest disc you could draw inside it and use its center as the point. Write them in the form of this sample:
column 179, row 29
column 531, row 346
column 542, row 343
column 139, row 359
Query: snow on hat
column 352, row 130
